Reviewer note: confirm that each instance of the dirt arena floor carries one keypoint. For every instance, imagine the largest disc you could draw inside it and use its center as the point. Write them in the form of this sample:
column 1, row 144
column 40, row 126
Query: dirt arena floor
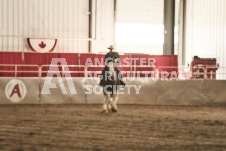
column 133, row 127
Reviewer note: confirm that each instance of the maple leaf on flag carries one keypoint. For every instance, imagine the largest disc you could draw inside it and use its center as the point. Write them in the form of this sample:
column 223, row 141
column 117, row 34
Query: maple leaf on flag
column 42, row 45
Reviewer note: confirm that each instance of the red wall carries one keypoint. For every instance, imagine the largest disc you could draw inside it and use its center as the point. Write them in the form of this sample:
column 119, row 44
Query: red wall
column 80, row 59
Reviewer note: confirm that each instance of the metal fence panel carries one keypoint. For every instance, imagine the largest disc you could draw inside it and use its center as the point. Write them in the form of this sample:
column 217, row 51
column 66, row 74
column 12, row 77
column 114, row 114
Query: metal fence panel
column 180, row 92
column 95, row 93
column 215, row 91
column 57, row 95
column 19, row 90
column 140, row 91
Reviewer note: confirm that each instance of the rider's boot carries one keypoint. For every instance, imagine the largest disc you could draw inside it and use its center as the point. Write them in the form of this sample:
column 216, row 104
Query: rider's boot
column 121, row 82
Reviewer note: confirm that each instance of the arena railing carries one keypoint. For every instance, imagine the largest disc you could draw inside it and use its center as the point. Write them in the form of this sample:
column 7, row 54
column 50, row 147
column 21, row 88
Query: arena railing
column 196, row 72
column 165, row 69
column 64, row 69
column 132, row 72
column 18, row 69
column 89, row 72
column 183, row 72
column 219, row 73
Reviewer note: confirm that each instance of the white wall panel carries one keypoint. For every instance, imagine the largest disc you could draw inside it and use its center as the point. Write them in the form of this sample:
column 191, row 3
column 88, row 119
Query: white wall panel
column 139, row 26
column 103, row 30
column 205, row 30
column 66, row 20
column 142, row 11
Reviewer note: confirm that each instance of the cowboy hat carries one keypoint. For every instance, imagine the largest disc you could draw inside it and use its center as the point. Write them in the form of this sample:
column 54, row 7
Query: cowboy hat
column 111, row 47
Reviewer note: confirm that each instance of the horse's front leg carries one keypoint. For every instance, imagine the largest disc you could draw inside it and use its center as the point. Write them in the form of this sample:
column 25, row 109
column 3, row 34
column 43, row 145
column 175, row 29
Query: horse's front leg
column 109, row 102
column 105, row 104
column 114, row 103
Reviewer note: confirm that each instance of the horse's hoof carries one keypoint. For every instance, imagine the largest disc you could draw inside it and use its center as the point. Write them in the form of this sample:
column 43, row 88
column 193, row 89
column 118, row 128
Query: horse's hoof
column 113, row 109
column 104, row 111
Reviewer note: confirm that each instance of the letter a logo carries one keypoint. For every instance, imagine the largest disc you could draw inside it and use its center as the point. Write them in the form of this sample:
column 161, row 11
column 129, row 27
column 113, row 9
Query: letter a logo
column 15, row 90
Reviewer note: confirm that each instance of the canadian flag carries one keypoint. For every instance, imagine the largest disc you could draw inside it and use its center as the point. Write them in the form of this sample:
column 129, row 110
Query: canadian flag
column 42, row 44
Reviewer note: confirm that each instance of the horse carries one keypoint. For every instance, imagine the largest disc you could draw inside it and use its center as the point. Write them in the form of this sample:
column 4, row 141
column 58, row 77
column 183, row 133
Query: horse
column 110, row 88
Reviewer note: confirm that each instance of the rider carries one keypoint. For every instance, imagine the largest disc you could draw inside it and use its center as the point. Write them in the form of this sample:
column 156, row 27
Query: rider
column 112, row 56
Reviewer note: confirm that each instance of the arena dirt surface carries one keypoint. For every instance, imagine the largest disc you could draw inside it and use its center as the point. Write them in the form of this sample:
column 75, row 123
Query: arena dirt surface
column 133, row 127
